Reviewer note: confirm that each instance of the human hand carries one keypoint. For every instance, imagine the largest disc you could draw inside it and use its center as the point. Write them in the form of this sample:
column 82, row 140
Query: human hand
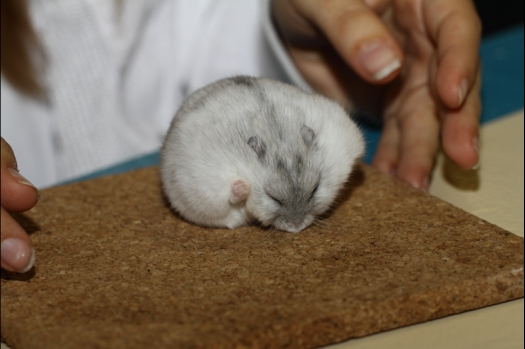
column 414, row 63
column 18, row 195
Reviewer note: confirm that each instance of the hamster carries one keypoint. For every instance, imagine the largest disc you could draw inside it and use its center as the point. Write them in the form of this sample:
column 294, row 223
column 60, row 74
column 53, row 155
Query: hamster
column 245, row 150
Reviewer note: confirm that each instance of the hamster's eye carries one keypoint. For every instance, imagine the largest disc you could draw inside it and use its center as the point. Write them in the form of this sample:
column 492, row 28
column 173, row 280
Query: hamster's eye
column 275, row 199
column 314, row 191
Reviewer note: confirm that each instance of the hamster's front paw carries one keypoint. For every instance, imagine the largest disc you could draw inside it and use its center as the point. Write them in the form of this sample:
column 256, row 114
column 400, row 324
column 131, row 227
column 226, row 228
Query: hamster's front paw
column 240, row 190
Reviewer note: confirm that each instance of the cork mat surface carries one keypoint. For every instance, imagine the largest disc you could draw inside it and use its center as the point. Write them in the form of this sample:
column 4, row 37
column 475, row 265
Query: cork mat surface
column 116, row 269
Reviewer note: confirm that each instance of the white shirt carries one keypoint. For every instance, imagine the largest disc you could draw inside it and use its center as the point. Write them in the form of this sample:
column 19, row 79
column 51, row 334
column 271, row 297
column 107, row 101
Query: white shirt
column 116, row 76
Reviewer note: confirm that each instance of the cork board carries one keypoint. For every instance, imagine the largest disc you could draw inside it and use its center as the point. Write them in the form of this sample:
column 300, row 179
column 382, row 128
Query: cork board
column 116, row 269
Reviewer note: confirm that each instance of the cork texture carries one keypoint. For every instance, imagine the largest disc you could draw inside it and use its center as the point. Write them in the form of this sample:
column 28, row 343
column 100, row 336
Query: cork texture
column 116, row 268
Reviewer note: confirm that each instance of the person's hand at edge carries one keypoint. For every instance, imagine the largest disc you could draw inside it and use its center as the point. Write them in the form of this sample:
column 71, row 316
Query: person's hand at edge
column 18, row 195
column 413, row 62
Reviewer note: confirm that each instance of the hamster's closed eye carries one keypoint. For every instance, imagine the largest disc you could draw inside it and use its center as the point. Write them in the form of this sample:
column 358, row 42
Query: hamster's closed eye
column 314, row 191
column 275, row 199
column 245, row 149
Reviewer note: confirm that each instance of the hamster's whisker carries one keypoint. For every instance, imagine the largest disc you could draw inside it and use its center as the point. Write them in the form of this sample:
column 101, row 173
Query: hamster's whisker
column 327, row 224
column 273, row 230
column 321, row 224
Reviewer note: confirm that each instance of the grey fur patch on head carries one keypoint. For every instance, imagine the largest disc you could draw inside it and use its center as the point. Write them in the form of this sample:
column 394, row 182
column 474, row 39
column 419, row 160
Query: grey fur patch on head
column 298, row 163
column 243, row 80
column 281, row 166
column 258, row 146
column 308, row 135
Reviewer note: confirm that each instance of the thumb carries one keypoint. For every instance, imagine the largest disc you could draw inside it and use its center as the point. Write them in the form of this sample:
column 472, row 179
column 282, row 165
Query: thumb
column 18, row 194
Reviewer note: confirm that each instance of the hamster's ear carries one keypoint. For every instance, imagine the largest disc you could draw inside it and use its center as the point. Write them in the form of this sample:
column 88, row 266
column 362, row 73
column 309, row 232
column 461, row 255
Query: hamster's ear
column 308, row 135
column 239, row 191
column 258, row 146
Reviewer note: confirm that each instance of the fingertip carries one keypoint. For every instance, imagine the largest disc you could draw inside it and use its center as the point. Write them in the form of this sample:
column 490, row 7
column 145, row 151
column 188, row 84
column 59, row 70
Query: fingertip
column 20, row 179
column 30, row 263
column 18, row 193
column 462, row 90
column 452, row 88
column 380, row 61
column 460, row 138
column 416, row 164
column 16, row 250
column 361, row 38
column 384, row 165
column 475, row 146
column 464, row 152
column 417, row 177
column 17, row 255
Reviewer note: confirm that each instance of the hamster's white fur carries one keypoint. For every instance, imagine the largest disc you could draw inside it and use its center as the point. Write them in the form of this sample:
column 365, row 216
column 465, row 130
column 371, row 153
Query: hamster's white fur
column 252, row 149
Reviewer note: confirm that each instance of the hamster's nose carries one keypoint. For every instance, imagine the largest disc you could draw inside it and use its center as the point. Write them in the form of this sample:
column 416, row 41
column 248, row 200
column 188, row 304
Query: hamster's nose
column 294, row 226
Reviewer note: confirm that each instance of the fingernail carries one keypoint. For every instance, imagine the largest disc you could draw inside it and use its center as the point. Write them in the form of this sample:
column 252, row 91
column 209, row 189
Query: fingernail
column 423, row 185
column 21, row 179
column 462, row 91
column 17, row 255
column 475, row 145
column 380, row 60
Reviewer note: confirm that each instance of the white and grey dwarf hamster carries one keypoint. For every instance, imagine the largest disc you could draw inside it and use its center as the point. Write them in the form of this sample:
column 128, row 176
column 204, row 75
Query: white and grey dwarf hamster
column 249, row 149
